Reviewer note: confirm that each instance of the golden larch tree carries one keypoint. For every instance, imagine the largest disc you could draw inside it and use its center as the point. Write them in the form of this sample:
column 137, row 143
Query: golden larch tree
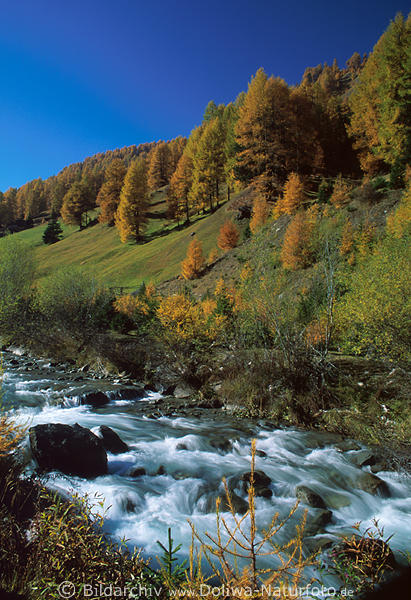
column 296, row 252
column 341, row 192
column 260, row 213
column 293, row 197
column 131, row 213
column 109, row 195
column 228, row 236
column 193, row 265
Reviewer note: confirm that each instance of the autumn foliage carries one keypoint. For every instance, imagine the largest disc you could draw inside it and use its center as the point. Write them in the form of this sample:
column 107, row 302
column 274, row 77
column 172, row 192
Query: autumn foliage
column 229, row 236
column 341, row 192
column 293, row 197
column 193, row 265
column 296, row 252
column 260, row 214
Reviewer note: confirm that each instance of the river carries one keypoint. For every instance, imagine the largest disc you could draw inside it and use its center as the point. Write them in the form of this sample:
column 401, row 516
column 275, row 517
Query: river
column 185, row 459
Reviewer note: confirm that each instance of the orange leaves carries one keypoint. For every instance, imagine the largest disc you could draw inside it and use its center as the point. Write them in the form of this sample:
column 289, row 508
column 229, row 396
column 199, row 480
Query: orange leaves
column 260, row 214
column 193, row 265
column 341, row 192
column 229, row 236
column 296, row 252
column 293, row 197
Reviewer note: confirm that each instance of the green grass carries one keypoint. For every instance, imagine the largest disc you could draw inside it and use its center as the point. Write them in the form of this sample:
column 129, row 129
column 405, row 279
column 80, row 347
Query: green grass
column 99, row 249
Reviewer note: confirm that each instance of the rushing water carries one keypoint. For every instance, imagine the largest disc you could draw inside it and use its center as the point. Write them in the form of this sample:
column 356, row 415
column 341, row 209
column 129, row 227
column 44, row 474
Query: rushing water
column 195, row 454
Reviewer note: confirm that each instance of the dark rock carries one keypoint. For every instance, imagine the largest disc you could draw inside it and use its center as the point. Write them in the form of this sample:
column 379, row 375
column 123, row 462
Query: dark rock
column 347, row 445
column 362, row 458
column 240, row 506
column 181, row 446
column 261, row 483
column 95, row 399
column 308, row 496
column 169, row 391
column 380, row 466
column 139, row 472
column 224, row 445
column 111, row 440
column 315, row 523
column 128, row 505
column 180, row 475
column 128, row 393
column 210, row 403
column 71, row 450
column 261, row 453
column 372, row 485
column 161, row 470
column 318, row 543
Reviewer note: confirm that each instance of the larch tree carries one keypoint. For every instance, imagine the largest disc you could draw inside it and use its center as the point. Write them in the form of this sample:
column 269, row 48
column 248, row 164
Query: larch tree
column 178, row 203
column 159, row 168
column 259, row 214
column 293, row 197
column 296, row 252
column 194, row 263
column 380, row 102
column 264, row 118
column 341, row 192
column 76, row 203
column 228, row 236
column 208, row 163
column 131, row 214
column 109, row 195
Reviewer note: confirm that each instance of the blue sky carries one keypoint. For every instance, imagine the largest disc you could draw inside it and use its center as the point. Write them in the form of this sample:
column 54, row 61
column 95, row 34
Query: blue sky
column 82, row 77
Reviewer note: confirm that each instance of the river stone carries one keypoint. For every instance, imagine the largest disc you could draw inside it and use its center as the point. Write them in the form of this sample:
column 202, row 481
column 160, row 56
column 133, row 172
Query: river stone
column 138, row 472
column 372, row 485
column 380, row 466
column 112, row 442
column 184, row 390
column 347, row 445
column 336, row 501
column 95, row 399
column 261, row 483
column 308, row 496
column 362, row 458
column 240, row 506
column 71, row 450
column 318, row 543
column 181, row 446
column 316, row 522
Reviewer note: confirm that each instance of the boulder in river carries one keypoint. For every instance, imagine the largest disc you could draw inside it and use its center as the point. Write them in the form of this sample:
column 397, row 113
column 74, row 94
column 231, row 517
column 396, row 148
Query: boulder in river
column 239, row 505
column 73, row 450
column 261, row 483
column 373, row 485
column 316, row 522
column 184, row 390
column 112, row 442
column 308, row 496
column 95, row 399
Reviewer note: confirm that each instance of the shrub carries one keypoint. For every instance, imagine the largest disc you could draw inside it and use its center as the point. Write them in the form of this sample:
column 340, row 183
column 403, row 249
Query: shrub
column 229, row 236
column 193, row 265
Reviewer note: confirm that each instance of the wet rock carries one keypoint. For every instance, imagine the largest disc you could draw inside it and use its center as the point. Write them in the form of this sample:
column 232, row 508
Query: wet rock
column 128, row 393
column 169, row 391
column 138, row 472
column 161, row 470
column 261, row 453
column 261, row 483
column 71, row 450
column 184, row 390
column 240, row 506
column 347, row 445
column 372, row 485
column 112, row 442
column 180, row 475
column 316, row 522
column 224, row 445
column 181, row 446
column 337, row 501
column 362, row 458
column 128, row 505
column 380, row 466
column 308, row 496
column 318, row 543
column 210, row 403
column 95, row 399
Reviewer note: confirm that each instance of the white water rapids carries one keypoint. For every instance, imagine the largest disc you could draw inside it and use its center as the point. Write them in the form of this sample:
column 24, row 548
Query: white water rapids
column 195, row 455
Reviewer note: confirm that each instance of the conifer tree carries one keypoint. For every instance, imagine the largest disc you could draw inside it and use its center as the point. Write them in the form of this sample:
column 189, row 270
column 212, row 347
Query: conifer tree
column 178, row 203
column 347, row 239
column 109, row 195
column 260, row 213
column 53, row 232
column 296, row 252
column 228, row 236
column 380, row 105
column 293, row 197
column 159, row 168
column 131, row 213
column 193, row 265
column 76, row 203
column 341, row 192
column 264, row 117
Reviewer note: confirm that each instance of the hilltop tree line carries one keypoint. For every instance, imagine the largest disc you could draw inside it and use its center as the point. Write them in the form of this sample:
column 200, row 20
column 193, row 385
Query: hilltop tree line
column 336, row 122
